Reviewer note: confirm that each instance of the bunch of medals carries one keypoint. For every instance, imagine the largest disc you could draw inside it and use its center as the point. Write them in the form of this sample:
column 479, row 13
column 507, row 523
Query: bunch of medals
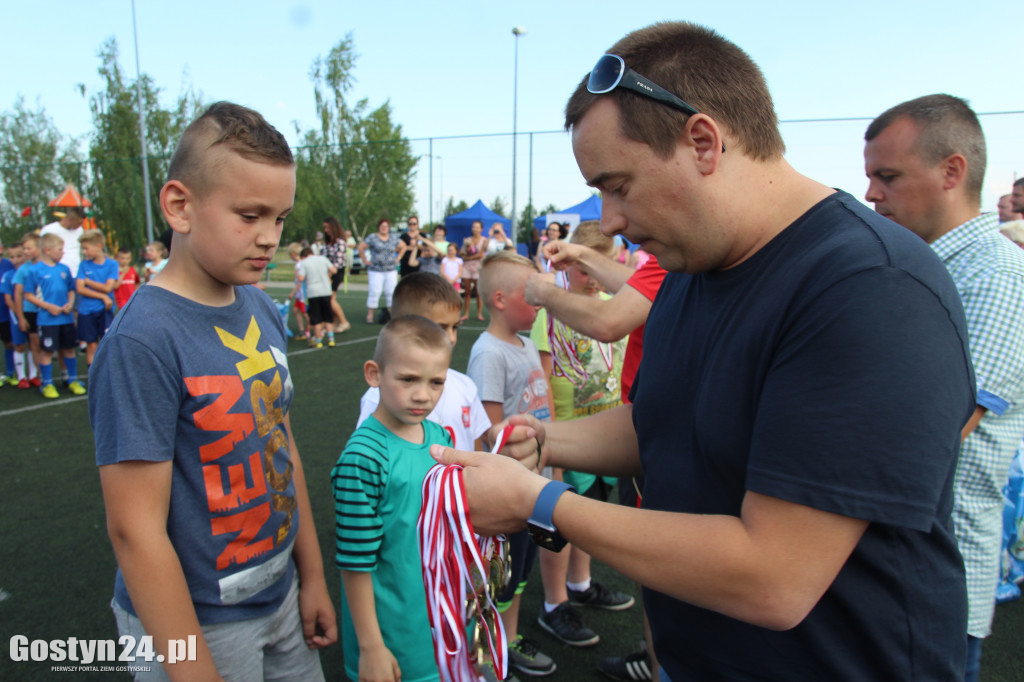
column 463, row 574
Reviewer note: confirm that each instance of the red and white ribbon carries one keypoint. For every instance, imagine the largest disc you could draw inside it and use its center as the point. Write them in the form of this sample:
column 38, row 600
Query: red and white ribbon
column 456, row 568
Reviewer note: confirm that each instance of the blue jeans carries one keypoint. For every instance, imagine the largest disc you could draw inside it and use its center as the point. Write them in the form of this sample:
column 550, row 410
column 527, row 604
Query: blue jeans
column 973, row 658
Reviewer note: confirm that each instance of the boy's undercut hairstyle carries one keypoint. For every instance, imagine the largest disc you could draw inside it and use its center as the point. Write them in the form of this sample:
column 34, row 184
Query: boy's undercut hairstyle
column 947, row 125
column 230, row 127
column 495, row 271
column 92, row 237
column 415, row 330
column 703, row 68
column 50, row 240
column 588, row 233
column 418, row 292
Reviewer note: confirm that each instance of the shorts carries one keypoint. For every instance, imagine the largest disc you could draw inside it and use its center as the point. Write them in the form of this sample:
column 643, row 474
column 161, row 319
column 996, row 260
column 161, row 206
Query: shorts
column 5, row 332
column 300, row 306
column 31, row 317
column 270, row 647
column 57, row 337
column 337, row 279
column 92, row 326
column 522, row 553
column 320, row 310
column 18, row 337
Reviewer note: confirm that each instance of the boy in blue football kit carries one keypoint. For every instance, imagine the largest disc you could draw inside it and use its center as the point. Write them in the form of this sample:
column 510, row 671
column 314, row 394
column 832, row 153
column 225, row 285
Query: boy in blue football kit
column 207, row 507
column 95, row 283
column 50, row 286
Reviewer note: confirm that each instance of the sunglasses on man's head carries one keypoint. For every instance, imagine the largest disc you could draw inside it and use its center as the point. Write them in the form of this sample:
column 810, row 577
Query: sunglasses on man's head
column 611, row 72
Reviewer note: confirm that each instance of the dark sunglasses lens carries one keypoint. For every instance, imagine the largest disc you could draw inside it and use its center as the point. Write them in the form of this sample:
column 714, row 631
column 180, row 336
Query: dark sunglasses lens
column 606, row 75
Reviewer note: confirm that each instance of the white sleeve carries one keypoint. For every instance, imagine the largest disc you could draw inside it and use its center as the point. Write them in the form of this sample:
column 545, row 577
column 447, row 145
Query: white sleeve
column 367, row 404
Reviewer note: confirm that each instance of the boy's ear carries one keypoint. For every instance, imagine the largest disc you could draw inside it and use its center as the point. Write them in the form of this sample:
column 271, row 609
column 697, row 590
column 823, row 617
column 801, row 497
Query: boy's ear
column 499, row 300
column 176, row 204
column 371, row 372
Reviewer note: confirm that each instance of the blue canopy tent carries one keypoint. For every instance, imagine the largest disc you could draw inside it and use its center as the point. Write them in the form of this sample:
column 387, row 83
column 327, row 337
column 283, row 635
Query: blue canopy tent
column 588, row 209
column 459, row 225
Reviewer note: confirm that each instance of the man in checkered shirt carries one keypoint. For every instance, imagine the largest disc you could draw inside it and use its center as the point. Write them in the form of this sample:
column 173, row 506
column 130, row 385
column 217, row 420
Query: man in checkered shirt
column 925, row 160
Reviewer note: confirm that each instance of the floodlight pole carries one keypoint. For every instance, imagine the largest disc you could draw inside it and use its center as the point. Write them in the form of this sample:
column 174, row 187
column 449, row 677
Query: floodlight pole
column 142, row 134
column 517, row 31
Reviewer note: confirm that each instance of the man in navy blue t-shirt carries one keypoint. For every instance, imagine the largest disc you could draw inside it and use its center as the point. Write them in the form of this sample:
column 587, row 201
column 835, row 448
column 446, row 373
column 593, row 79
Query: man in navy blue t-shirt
column 797, row 412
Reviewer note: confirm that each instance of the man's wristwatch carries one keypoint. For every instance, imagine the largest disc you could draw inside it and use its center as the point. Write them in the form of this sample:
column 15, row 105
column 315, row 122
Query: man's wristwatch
column 541, row 523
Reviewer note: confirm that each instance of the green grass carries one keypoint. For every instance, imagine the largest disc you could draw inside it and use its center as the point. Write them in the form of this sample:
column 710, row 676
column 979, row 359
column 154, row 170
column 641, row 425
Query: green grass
column 57, row 567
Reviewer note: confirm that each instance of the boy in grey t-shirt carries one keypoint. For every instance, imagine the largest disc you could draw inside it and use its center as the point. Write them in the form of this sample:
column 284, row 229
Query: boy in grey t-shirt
column 316, row 271
column 506, row 369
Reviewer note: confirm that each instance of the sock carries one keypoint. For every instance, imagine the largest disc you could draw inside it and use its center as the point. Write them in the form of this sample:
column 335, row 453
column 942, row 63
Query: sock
column 580, row 586
column 549, row 607
column 47, row 374
column 19, row 364
column 9, row 361
column 33, row 367
column 72, row 365
column 330, row 336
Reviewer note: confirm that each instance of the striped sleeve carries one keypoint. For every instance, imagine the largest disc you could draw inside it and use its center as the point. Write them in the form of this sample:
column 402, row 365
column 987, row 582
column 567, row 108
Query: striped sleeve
column 358, row 480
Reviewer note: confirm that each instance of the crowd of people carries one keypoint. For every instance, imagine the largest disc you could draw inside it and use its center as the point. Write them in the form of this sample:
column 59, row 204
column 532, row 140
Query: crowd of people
column 809, row 408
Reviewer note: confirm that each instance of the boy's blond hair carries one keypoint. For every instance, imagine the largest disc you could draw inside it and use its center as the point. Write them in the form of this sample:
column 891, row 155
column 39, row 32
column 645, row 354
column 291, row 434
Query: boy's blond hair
column 50, row 240
column 93, row 236
column 30, row 237
column 588, row 233
column 409, row 330
column 225, row 127
column 160, row 248
column 498, row 273
column 417, row 293
column 294, row 250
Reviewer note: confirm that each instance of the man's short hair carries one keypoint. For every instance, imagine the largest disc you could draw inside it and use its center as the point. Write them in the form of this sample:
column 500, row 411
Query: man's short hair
column 50, row 240
column 93, row 237
column 947, row 126
column 495, row 272
column 1019, row 182
column 230, row 127
column 406, row 330
column 418, row 292
column 706, row 70
column 75, row 212
column 588, row 233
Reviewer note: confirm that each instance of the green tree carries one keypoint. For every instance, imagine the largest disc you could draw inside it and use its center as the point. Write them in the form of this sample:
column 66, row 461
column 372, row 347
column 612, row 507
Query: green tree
column 452, row 208
column 35, row 163
column 116, row 186
column 498, row 206
column 356, row 166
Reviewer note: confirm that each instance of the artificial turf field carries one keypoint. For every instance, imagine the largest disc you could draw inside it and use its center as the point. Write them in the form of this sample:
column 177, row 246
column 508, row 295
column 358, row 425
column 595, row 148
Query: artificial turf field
column 57, row 570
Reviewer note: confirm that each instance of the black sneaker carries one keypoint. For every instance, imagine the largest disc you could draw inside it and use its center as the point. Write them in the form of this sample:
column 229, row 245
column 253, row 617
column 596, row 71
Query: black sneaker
column 566, row 624
column 524, row 656
column 599, row 596
column 635, row 667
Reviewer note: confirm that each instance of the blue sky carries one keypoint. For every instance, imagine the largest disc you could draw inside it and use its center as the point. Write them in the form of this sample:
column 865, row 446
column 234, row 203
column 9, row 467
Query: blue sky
column 447, row 69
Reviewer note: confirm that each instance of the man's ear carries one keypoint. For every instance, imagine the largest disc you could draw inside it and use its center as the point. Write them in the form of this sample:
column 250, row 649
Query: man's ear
column 704, row 135
column 954, row 171
column 176, row 203
column 371, row 372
